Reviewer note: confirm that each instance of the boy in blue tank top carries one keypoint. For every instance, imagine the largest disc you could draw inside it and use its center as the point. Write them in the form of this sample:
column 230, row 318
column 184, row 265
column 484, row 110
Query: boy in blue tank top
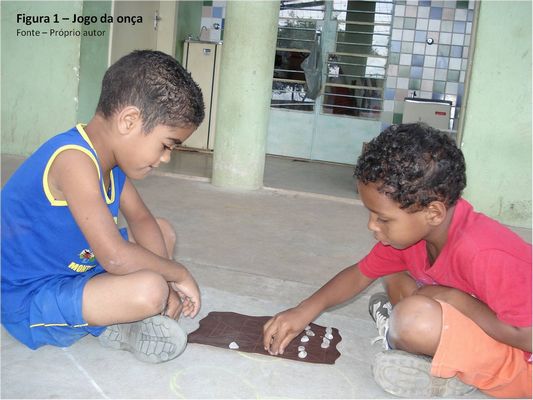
column 67, row 269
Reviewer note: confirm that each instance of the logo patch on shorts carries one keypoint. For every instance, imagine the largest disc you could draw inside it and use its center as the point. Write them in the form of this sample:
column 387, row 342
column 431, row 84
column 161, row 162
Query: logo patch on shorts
column 87, row 259
column 87, row 256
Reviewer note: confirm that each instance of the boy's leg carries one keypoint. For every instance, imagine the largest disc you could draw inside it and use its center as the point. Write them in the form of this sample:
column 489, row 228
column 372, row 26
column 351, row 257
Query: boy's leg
column 399, row 286
column 422, row 325
column 111, row 299
column 131, row 305
column 414, row 327
column 169, row 235
column 151, row 337
column 466, row 350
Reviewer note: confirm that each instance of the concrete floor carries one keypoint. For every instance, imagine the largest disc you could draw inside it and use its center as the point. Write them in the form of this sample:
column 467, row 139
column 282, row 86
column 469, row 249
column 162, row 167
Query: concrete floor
column 252, row 252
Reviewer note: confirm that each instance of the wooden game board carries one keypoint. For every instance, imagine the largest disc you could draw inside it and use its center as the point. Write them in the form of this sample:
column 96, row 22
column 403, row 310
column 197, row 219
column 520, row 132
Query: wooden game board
column 219, row 329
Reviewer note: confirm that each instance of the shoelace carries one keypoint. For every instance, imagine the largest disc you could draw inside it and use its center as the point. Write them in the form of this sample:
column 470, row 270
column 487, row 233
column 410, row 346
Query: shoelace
column 382, row 323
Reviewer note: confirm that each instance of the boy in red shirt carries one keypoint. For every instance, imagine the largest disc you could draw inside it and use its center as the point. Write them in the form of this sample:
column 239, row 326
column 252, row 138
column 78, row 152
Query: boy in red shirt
column 458, row 306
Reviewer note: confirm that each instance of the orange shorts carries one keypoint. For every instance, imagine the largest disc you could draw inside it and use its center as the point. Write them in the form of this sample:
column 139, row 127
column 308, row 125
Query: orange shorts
column 465, row 350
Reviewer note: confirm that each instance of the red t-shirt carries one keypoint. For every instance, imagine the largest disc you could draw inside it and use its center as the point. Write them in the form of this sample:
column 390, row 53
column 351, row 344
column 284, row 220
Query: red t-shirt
column 481, row 257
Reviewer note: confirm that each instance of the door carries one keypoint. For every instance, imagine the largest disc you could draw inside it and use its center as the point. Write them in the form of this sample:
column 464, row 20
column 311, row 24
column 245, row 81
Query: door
column 202, row 60
column 127, row 37
column 156, row 32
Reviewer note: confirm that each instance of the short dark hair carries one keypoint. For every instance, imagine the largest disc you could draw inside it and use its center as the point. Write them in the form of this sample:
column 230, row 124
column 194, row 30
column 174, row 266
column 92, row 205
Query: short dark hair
column 158, row 85
column 414, row 164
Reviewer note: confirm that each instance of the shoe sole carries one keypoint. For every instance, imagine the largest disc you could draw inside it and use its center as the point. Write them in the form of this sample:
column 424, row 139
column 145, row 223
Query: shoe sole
column 154, row 340
column 407, row 375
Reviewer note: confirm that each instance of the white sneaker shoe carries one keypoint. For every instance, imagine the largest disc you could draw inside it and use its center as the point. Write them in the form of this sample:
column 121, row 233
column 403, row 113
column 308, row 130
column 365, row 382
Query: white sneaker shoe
column 155, row 340
column 380, row 309
column 408, row 375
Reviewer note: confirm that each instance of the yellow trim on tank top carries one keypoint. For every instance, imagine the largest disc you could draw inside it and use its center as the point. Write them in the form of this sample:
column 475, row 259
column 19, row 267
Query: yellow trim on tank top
column 46, row 187
column 81, row 129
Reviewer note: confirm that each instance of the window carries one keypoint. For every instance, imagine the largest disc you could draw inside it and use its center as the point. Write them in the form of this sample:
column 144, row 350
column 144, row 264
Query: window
column 297, row 27
column 356, row 69
column 354, row 64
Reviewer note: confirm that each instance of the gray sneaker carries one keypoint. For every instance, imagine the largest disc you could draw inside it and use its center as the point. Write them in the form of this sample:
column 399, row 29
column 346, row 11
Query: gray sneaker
column 380, row 309
column 155, row 340
column 408, row 375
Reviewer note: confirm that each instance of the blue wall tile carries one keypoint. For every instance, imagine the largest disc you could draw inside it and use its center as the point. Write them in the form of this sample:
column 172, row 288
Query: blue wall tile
column 417, row 60
column 395, row 46
column 420, row 36
column 217, row 12
column 389, row 94
column 435, row 13
column 416, row 72
column 459, row 26
column 456, row 51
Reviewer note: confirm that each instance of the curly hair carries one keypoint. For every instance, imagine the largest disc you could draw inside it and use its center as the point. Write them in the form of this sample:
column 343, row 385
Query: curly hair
column 158, row 85
column 413, row 164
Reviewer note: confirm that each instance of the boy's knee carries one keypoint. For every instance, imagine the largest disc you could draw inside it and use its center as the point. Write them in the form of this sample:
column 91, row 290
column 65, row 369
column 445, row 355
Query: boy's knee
column 150, row 291
column 169, row 233
column 415, row 325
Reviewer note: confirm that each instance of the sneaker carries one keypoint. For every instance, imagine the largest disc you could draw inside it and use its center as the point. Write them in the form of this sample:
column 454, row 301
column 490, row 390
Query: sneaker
column 380, row 309
column 156, row 339
column 408, row 375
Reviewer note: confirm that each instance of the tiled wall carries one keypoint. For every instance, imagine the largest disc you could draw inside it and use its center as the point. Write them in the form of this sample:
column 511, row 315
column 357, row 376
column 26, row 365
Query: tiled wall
column 431, row 71
column 213, row 15
column 434, row 71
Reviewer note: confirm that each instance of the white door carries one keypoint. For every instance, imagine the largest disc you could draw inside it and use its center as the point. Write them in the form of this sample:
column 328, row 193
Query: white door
column 156, row 32
column 202, row 60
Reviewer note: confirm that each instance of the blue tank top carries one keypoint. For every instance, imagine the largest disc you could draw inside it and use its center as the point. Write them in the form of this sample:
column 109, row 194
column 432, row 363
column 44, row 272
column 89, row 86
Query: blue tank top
column 40, row 238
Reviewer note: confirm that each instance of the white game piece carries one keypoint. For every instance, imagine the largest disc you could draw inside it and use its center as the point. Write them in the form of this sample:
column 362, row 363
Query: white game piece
column 308, row 327
column 302, row 354
column 304, row 339
column 324, row 345
column 329, row 330
column 328, row 336
column 233, row 346
column 326, row 340
column 309, row 333
column 301, row 348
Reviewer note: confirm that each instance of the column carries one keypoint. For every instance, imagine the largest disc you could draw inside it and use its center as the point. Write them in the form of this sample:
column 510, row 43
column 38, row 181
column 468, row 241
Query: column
column 246, row 70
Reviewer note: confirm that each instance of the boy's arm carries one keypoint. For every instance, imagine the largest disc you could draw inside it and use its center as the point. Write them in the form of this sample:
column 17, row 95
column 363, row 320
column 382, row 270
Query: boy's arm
column 482, row 315
column 285, row 326
column 74, row 176
column 141, row 222
column 147, row 233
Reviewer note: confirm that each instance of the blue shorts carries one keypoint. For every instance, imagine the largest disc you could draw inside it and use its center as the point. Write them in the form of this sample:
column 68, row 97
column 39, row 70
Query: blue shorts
column 55, row 312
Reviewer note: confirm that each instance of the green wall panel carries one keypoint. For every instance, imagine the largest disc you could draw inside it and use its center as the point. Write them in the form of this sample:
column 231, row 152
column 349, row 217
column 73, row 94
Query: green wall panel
column 93, row 59
column 39, row 75
column 497, row 131
column 189, row 20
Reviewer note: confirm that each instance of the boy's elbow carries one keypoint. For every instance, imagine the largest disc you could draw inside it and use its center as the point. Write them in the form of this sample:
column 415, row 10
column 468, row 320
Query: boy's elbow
column 114, row 260
column 524, row 338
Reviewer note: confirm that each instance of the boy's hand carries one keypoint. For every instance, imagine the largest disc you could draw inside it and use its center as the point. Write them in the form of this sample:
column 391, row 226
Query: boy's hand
column 279, row 330
column 189, row 294
column 174, row 306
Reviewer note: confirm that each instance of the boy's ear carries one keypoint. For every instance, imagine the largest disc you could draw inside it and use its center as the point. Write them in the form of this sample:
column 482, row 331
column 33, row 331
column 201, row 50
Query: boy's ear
column 436, row 212
column 128, row 118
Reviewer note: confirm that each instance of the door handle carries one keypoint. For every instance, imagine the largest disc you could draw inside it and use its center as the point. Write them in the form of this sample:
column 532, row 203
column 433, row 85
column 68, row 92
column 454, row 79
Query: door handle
column 157, row 18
